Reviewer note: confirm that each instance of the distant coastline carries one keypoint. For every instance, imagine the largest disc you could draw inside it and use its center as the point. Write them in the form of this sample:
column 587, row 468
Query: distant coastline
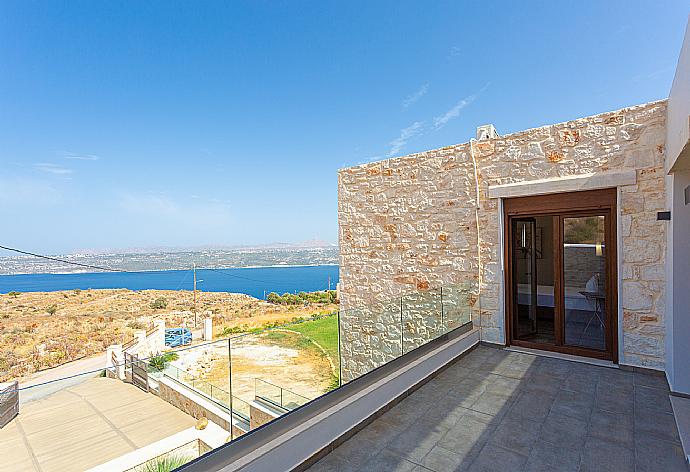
column 272, row 266
column 162, row 261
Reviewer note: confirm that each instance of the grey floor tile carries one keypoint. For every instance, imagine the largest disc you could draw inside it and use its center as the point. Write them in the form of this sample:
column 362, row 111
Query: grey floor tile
column 333, row 463
column 517, row 436
column 601, row 456
column 657, row 424
column 493, row 458
column 612, row 427
column 495, row 411
column 583, row 368
column 493, row 404
column 482, row 417
column 380, row 431
column 445, row 413
column 574, row 404
column 546, row 457
column 539, row 381
column 653, row 398
column 416, row 442
column 650, row 380
column 616, row 378
column 473, row 384
column 388, row 461
column 415, row 404
column 358, row 449
column 564, row 431
column 654, row 455
column 401, row 416
column 443, row 460
column 532, row 405
column 468, row 434
column 555, row 367
column 518, row 370
column 502, row 385
column 432, row 392
column 582, row 383
column 609, row 398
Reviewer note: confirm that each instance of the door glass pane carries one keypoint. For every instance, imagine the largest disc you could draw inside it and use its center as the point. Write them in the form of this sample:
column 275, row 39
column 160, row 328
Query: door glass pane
column 584, row 277
column 533, row 279
column 525, row 291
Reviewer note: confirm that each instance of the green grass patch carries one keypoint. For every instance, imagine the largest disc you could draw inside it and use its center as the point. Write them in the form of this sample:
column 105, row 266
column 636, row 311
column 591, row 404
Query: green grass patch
column 324, row 331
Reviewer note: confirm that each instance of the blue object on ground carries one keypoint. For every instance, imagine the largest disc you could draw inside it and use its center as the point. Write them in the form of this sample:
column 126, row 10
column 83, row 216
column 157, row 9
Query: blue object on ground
column 175, row 337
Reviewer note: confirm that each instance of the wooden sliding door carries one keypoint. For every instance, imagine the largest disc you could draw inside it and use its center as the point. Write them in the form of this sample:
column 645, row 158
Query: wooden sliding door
column 560, row 256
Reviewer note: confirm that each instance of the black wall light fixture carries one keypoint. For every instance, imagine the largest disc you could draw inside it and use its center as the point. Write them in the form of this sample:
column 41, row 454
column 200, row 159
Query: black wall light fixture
column 663, row 216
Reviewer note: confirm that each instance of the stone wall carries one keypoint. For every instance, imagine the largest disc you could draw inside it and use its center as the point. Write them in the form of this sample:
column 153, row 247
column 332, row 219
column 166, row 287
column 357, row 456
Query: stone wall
column 412, row 223
column 175, row 396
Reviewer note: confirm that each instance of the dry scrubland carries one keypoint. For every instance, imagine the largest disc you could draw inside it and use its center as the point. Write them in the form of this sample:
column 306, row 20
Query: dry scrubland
column 39, row 330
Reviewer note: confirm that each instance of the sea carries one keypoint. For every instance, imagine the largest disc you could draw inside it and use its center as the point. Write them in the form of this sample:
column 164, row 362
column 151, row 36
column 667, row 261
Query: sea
column 254, row 281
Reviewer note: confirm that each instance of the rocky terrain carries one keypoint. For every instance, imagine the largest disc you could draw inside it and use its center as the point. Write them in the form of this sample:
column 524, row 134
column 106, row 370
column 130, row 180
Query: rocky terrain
column 39, row 330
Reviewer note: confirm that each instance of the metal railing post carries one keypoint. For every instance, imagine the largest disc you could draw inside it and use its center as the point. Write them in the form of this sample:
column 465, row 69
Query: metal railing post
column 340, row 356
column 230, row 382
column 402, row 336
column 442, row 318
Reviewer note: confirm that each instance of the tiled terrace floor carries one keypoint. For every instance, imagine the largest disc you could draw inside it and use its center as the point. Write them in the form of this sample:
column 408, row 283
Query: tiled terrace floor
column 84, row 425
column 496, row 410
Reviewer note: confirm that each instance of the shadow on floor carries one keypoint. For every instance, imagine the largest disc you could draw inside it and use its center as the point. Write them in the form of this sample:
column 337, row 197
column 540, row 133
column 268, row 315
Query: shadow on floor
column 496, row 410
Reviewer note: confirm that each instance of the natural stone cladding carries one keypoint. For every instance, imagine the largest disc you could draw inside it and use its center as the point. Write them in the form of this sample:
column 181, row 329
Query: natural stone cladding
column 409, row 224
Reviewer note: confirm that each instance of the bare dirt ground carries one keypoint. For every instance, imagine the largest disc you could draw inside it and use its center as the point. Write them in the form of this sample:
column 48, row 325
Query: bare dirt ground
column 39, row 330
column 288, row 361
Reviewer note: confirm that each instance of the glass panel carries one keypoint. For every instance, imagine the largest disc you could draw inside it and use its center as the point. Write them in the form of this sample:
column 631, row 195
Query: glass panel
column 458, row 304
column 268, row 392
column 292, row 400
column 584, row 276
column 534, row 279
column 421, row 318
column 523, row 280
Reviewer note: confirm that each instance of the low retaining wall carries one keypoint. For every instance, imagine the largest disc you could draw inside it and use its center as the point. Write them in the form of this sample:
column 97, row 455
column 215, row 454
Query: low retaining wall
column 198, row 406
column 210, row 437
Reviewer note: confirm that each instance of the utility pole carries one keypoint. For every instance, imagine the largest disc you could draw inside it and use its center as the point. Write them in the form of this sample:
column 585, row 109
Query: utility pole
column 329, row 282
column 195, row 320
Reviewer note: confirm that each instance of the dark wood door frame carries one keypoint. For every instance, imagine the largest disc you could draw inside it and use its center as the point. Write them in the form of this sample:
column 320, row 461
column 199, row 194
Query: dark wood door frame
column 559, row 206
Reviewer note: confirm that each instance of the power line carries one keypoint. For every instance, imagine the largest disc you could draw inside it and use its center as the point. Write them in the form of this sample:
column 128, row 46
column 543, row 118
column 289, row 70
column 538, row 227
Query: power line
column 267, row 282
column 108, row 269
column 61, row 260
column 224, row 272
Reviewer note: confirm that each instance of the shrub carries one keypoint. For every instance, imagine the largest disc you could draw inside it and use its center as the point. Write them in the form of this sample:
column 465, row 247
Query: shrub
column 228, row 330
column 52, row 309
column 136, row 325
column 158, row 362
column 159, row 303
column 302, row 298
column 163, row 464
column 14, row 294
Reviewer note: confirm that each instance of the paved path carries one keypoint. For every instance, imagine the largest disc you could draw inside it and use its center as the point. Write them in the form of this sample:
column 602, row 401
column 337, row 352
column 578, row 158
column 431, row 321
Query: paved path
column 496, row 410
column 85, row 425
column 73, row 373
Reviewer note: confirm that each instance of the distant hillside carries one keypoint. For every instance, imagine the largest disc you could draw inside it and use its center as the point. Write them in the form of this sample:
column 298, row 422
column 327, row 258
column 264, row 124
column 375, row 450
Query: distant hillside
column 179, row 259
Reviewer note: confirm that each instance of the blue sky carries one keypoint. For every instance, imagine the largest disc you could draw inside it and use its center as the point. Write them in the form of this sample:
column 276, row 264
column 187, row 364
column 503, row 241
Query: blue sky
column 135, row 124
